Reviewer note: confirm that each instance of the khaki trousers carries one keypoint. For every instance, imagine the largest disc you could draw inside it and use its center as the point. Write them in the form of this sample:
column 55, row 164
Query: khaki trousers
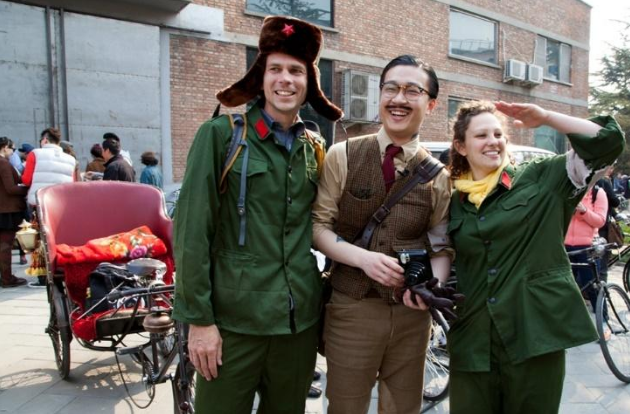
column 368, row 340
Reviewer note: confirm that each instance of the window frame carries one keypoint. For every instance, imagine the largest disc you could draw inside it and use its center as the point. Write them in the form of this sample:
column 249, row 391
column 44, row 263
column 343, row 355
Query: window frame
column 563, row 49
column 494, row 64
column 331, row 26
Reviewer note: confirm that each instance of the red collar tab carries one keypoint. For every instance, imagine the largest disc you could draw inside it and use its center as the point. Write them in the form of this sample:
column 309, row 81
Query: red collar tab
column 506, row 180
column 288, row 30
column 261, row 128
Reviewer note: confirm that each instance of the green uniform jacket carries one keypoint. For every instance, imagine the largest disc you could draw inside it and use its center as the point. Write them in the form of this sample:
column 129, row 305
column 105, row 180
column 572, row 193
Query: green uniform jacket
column 511, row 262
column 271, row 285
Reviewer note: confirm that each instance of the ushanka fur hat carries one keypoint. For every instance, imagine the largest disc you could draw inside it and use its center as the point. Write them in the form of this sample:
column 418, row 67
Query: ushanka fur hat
column 295, row 38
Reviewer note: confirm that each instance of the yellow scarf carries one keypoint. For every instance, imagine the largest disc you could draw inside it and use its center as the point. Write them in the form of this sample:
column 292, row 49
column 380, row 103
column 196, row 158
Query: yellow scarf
column 478, row 190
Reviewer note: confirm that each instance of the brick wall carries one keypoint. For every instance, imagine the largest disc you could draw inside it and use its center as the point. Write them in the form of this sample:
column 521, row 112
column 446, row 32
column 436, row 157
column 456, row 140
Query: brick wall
column 199, row 67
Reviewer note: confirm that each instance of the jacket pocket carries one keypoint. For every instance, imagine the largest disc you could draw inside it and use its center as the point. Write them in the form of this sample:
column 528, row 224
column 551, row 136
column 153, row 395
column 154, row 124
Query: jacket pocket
column 546, row 275
column 520, row 199
column 230, row 266
column 254, row 166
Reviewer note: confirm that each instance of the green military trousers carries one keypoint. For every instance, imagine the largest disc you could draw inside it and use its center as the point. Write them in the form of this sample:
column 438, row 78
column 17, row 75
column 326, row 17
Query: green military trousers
column 532, row 386
column 279, row 368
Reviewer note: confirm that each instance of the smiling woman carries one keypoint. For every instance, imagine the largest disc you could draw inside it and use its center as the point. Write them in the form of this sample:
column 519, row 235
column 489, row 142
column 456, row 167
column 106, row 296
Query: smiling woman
column 507, row 225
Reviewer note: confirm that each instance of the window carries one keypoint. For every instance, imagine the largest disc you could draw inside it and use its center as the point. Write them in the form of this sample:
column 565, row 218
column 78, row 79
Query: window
column 473, row 37
column 555, row 58
column 319, row 12
column 453, row 106
column 548, row 138
column 307, row 112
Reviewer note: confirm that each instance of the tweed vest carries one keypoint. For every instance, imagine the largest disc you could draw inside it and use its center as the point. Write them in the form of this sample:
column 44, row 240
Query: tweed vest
column 404, row 228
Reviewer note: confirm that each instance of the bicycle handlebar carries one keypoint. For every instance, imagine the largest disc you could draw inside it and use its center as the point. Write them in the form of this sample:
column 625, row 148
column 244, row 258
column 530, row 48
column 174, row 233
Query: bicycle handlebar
column 592, row 248
column 151, row 290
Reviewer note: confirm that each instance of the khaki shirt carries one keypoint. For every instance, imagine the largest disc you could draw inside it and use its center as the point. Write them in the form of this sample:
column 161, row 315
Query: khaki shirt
column 333, row 182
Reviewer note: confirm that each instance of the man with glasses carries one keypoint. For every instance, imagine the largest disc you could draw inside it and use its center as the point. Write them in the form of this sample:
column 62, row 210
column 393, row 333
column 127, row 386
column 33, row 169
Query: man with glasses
column 368, row 333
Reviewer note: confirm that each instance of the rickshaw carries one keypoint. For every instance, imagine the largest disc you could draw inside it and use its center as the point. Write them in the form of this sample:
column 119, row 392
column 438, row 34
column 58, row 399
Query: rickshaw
column 87, row 221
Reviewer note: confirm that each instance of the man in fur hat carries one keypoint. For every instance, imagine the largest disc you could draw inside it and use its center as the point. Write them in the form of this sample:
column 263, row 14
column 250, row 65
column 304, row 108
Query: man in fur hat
column 246, row 281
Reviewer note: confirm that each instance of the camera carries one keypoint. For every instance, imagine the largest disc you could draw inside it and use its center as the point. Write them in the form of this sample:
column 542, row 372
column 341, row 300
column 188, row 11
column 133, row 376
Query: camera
column 417, row 266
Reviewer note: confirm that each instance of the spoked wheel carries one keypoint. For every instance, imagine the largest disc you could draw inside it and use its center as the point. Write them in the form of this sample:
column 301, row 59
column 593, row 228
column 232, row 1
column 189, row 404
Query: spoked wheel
column 613, row 326
column 137, row 376
column 184, row 388
column 436, row 367
column 59, row 329
column 626, row 276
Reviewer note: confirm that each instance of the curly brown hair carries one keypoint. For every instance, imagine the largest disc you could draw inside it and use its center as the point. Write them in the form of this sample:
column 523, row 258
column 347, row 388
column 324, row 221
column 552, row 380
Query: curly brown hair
column 467, row 111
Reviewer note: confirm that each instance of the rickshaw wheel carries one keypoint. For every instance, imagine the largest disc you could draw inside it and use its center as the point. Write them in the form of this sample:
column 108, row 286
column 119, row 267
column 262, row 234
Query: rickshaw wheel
column 59, row 336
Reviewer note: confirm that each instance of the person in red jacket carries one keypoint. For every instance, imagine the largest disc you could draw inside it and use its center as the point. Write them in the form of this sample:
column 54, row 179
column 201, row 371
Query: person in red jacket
column 589, row 217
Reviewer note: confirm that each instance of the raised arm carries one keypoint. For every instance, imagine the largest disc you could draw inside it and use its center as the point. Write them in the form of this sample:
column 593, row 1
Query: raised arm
column 533, row 116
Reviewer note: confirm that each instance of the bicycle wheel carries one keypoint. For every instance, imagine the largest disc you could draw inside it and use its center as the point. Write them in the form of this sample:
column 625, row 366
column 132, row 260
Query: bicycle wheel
column 436, row 366
column 184, row 388
column 59, row 330
column 137, row 374
column 626, row 276
column 613, row 324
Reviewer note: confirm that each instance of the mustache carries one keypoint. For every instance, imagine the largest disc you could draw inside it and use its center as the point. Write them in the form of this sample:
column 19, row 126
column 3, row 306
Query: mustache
column 405, row 107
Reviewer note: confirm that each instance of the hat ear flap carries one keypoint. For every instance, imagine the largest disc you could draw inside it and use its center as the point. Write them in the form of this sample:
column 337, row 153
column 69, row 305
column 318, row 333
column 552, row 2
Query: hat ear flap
column 318, row 100
column 247, row 88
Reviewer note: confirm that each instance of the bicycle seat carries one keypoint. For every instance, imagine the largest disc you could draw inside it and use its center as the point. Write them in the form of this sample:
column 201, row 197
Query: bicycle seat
column 146, row 266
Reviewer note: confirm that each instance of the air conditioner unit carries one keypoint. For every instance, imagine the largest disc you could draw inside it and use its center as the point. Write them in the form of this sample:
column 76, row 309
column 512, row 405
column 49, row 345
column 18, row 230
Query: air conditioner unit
column 534, row 74
column 515, row 70
column 359, row 96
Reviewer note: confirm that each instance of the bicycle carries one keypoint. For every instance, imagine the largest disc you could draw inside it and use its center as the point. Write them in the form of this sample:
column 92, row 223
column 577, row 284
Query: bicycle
column 436, row 367
column 167, row 339
column 612, row 313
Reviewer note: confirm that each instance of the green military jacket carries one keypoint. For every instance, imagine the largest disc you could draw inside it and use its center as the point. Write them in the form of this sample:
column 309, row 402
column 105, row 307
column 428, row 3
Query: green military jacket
column 511, row 262
column 271, row 285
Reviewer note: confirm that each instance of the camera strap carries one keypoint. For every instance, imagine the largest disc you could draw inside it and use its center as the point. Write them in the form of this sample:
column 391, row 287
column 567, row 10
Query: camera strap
column 428, row 168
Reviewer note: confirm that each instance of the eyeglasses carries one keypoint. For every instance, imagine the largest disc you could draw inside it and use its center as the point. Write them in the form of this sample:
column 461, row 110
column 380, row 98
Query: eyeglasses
column 411, row 91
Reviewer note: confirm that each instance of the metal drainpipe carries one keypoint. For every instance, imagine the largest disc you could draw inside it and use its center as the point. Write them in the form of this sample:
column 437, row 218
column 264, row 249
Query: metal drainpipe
column 51, row 90
column 62, row 29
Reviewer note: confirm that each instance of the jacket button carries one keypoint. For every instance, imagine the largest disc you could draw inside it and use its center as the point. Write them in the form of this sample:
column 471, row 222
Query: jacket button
column 487, row 242
column 482, row 218
column 290, row 169
column 492, row 272
column 289, row 200
column 492, row 301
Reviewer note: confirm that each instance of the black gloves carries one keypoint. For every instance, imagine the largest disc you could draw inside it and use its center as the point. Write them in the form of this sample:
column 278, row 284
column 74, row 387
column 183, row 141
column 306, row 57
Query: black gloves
column 439, row 297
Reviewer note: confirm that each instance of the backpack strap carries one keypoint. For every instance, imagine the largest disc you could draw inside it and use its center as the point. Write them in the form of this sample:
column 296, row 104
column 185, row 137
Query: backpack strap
column 428, row 168
column 239, row 135
column 320, row 152
column 238, row 143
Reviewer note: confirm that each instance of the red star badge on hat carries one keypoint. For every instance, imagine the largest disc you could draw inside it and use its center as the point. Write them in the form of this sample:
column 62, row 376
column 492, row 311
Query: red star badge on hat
column 288, row 30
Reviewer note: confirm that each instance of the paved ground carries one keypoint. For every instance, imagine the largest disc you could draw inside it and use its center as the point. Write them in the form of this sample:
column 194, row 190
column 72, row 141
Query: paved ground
column 29, row 382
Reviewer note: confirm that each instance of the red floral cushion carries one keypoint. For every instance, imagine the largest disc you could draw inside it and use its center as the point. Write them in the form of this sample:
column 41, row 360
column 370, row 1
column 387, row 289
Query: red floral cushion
column 134, row 244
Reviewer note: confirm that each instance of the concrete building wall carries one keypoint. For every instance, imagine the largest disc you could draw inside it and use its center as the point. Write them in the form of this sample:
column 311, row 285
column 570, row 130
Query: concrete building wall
column 24, row 108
